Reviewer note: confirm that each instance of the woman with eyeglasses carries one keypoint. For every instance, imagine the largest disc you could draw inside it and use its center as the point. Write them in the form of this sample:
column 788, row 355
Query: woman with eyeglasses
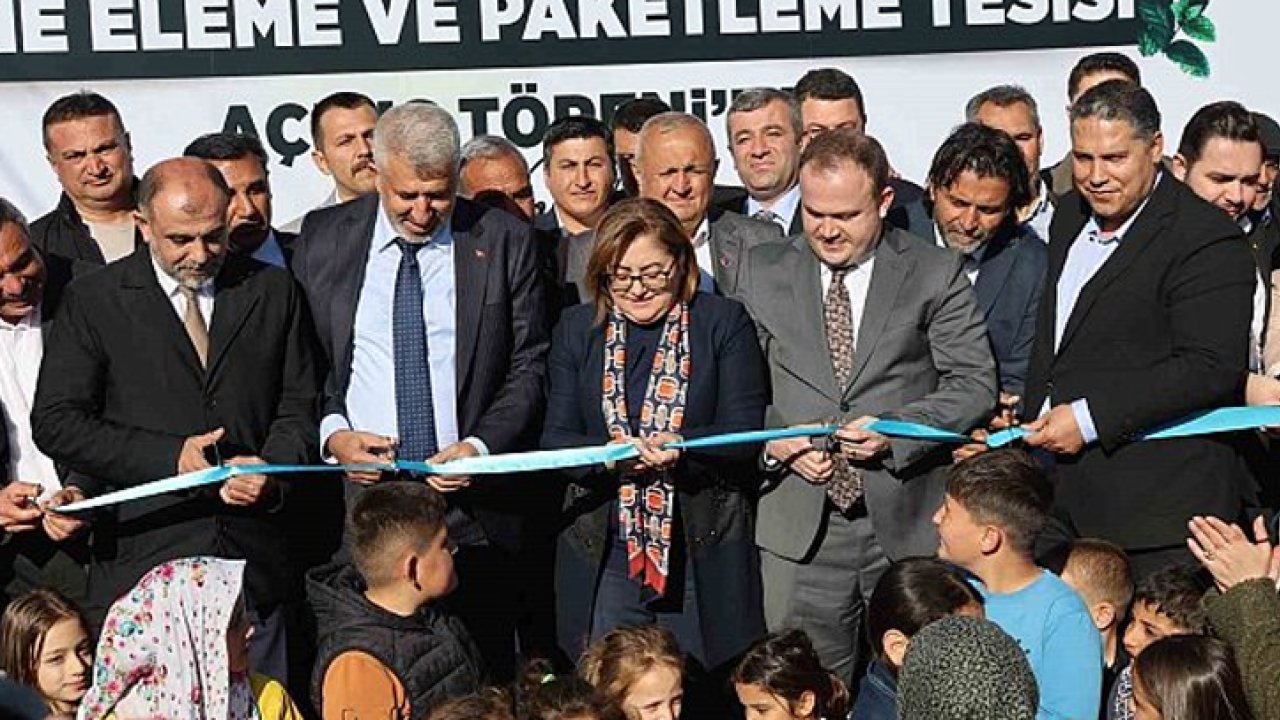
column 668, row 537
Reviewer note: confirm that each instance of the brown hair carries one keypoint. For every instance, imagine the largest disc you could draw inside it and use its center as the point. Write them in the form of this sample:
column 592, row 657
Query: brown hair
column 621, row 226
column 1187, row 677
column 23, row 627
column 385, row 519
column 834, row 147
column 615, row 662
column 1102, row 571
column 786, row 665
column 487, row 704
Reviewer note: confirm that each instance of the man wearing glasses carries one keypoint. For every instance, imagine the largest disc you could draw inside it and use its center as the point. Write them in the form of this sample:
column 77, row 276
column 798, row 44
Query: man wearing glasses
column 676, row 165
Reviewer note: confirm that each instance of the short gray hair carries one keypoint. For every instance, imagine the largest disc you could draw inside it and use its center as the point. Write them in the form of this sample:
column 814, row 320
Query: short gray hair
column 669, row 122
column 421, row 133
column 1002, row 96
column 757, row 98
column 9, row 213
column 491, row 147
column 1120, row 100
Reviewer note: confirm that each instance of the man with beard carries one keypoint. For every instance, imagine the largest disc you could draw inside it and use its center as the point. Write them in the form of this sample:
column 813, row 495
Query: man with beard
column 976, row 183
column 89, row 150
column 243, row 163
column 178, row 358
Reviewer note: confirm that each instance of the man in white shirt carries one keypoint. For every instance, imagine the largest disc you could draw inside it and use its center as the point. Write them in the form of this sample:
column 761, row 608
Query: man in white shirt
column 243, row 163
column 858, row 320
column 676, row 165
column 38, row 548
column 764, row 130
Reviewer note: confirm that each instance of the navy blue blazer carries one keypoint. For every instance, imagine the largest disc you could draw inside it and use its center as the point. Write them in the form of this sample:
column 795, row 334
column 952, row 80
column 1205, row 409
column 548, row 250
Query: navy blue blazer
column 715, row 487
column 1010, row 281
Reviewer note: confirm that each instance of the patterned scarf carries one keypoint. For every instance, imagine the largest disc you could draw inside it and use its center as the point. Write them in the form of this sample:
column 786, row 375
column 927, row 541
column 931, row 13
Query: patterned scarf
column 646, row 504
column 163, row 650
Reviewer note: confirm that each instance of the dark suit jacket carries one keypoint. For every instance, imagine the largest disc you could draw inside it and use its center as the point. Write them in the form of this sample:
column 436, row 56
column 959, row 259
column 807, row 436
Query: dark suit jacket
column 121, row 388
column 502, row 334
column 732, row 237
column 1161, row 331
column 62, row 234
column 727, row 393
column 905, row 193
column 1011, row 272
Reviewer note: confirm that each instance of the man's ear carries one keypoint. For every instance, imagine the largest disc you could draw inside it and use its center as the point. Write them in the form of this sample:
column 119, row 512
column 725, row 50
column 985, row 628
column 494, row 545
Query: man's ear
column 886, row 201
column 321, row 162
column 1157, row 147
column 410, row 570
column 894, row 644
column 992, row 539
column 1104, row 615
column 144, row 227
column 1180, row 167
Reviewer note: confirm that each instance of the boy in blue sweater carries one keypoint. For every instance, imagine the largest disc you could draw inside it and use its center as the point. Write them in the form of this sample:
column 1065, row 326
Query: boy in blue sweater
column 995, row 504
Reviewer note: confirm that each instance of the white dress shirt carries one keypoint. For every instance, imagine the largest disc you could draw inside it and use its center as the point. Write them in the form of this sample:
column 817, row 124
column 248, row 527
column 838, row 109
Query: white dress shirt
column 21, row 350
column 857, row 282
column 784, row 208
column 1041, row 215
column 1087, row 255
column 702, row 252
column 270, row 252
column 371, row 392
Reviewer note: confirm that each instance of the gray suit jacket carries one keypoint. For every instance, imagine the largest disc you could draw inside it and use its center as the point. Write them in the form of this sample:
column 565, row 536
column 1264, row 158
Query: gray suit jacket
column 732, row 237
column 921, row 355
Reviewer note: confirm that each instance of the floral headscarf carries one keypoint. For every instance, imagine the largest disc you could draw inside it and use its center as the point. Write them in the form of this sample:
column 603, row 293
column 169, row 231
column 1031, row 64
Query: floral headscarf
column 163, row 650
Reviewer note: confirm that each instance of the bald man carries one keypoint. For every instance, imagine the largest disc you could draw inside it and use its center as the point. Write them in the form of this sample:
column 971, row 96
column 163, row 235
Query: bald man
column 676, row 165
column 179, row 357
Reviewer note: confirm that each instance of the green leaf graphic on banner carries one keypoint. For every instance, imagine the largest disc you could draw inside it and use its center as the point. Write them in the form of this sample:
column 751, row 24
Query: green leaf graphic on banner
column 1158, row 26
column 1200, row 28
column 1188, row 57
column 1188, row 10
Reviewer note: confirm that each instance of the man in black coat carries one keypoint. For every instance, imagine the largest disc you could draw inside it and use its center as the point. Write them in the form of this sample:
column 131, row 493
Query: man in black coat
column 447, row 367
column 1144, row 320
column 175, row 359
column 90, row 152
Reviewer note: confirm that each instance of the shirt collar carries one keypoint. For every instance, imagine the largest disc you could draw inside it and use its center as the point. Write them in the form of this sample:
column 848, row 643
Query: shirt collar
column 784, row 206
column 703, row 233
column 1246, row 223
column 1094, row 229
column 384, row 234
column 171, row 286
column 30, row 321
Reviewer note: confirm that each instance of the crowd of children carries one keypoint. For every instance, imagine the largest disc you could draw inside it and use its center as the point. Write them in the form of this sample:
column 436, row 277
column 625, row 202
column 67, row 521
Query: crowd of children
column 979, row 632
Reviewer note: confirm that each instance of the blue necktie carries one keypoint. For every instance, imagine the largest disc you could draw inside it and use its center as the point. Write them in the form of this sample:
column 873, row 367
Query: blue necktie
column 415, row 411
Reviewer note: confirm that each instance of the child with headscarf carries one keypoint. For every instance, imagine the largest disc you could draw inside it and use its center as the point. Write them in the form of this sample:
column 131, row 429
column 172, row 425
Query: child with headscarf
column 177, row 646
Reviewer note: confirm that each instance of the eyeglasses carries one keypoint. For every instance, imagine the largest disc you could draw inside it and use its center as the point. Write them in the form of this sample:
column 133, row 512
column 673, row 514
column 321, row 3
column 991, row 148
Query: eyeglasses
column 651, row 280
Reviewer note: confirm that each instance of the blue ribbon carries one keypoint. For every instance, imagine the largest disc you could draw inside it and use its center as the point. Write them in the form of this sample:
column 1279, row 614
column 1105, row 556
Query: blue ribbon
column 1204, row 423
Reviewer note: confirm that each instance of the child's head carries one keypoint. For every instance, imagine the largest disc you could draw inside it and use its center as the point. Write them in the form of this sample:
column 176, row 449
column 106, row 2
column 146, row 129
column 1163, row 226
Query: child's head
column 995, row 505
column 781, row 678
column 638, row 669
column 911, row 594
column 399, row 540
column 44, row 644
column 1099, row 572
column 1167, row 602
column 1188, row 677
column 964, row 667
column 544, row 695
column 487, row 704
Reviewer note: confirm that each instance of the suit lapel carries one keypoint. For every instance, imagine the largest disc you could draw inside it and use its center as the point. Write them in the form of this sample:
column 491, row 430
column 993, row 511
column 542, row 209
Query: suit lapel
column 887, row 276
column 808, row 348
column 726, row 251
column 471, row 258
column 231, row 307
column 1133, row 243
column 352, row 241
column 151, row 309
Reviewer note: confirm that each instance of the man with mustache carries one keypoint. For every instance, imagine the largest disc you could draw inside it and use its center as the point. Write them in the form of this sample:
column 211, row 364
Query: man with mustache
column 1144, row 321
column 342, row 147
column 90, row 152
column 43, row 549
column 178, row 358
column 243, row 163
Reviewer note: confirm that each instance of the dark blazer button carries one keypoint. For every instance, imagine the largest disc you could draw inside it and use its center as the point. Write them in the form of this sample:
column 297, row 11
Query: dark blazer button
column 844, row 406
